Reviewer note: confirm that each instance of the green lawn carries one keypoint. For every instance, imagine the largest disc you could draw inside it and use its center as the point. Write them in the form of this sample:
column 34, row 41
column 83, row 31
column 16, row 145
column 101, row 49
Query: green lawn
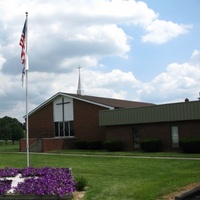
column 8, row 146
column 117, row 178
column 127, row 154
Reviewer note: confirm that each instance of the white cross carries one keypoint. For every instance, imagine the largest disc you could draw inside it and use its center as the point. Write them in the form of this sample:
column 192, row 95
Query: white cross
column 15, row 180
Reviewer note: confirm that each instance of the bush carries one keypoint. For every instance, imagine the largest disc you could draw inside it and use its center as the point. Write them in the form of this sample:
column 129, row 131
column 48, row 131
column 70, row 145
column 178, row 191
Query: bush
column 190, row 145
column 94, row 145
column 81, row 183
column 113, row 145
column 80, row 144
column 151, row 145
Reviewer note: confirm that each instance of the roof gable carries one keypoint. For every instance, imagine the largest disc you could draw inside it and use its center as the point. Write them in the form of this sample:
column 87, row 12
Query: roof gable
column 108, row 103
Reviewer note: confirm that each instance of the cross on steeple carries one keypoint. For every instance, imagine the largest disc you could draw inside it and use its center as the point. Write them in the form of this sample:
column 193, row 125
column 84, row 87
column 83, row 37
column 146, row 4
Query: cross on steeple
column 79, row 90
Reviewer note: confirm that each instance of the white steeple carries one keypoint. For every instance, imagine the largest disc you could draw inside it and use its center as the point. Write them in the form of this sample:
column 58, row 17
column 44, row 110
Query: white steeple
column 80, row 90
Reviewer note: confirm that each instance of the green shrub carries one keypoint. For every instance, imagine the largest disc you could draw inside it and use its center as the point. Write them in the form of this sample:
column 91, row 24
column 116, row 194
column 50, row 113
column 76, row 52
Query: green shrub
column 190, row 145
column 151, row 145
column 80, row 144
column 81, row 183
column 113, row 145
column 94, row 145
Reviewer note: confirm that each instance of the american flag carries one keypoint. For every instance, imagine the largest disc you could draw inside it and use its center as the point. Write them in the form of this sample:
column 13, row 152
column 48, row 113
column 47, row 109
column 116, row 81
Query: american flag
column 22, row 43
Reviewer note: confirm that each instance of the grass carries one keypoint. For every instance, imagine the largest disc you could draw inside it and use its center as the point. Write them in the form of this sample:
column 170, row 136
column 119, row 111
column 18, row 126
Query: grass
column 8, row 146
column 116, row 178
column 123, row 153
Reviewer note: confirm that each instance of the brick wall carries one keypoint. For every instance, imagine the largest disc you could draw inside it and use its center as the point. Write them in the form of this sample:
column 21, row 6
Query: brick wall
column 52, row 144
column 48, row 144
column 86, row 126
column 187, row 129
column 41, row 123
column 22, row 143
column 161, row 131
column 122, row 133
column 86, row 121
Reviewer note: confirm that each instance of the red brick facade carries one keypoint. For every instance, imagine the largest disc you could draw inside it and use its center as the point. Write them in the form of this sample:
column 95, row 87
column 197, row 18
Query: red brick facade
column 162, row 131
column 22, row 143
column 52, row 144
column 47, row 144
column 86, row 126
column 86, row 121
column 122, row 133
column 41, row 123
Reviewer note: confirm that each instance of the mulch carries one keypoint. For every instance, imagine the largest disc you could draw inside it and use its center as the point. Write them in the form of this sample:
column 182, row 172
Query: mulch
column 180, row 191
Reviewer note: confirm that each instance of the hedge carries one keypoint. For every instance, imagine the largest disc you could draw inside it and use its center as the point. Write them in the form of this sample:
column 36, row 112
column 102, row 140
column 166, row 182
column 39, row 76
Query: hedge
column 115, row 145
column 190, row 145
column 151, row 145
column 80, row 144
column 92, row 145
column 95, row 145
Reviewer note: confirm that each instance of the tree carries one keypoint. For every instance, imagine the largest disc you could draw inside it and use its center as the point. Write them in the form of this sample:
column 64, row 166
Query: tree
column 11, row 129
column 16, row 132
column 5, row 132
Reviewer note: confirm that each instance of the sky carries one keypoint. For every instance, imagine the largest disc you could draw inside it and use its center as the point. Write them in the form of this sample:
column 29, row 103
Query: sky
column 146, row 51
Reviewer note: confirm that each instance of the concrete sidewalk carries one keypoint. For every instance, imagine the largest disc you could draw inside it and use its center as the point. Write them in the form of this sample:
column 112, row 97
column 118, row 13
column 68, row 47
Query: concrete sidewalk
column 108, row 156
column 120, row 156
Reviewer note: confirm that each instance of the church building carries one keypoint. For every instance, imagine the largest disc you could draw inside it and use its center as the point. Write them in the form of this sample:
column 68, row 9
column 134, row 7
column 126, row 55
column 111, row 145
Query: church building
column 65, row 118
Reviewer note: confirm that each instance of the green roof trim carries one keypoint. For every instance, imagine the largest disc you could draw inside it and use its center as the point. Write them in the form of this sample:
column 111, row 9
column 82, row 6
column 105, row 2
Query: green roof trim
column 151, row 114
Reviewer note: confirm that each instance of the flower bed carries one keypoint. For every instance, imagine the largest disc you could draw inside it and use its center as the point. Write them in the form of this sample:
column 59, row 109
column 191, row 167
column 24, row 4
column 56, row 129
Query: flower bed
column 55, row 182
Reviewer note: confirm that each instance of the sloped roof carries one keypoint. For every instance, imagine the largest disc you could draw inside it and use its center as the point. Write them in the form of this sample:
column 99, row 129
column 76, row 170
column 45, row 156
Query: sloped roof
column 115, row 103
column 182, row 111
column 100, row 101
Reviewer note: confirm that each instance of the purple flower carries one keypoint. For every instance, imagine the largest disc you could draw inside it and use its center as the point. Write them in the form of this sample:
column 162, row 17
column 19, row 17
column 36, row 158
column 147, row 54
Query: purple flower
column 39, row 181
column 8, row 172
column 5, row 185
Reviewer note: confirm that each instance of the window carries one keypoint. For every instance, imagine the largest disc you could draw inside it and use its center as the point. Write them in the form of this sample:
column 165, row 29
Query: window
column 65, row 129
column 136, row 138
column 175, row 136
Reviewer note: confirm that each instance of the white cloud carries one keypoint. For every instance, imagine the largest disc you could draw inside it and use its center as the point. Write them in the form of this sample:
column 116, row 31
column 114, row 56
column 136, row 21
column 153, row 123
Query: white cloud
column 2, row 60
column 160, row 31
column 89, row 61
column 60, row 31
column 115, row 77
column 178, row 82
column 195, row 58
column 63, row 36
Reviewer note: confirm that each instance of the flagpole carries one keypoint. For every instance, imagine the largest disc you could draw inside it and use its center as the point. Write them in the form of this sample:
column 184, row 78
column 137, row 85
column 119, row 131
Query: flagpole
column 26, row 71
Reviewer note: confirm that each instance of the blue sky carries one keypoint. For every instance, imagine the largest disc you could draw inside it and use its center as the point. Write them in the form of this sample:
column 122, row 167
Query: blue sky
column 154, row 58
column 137, row 50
